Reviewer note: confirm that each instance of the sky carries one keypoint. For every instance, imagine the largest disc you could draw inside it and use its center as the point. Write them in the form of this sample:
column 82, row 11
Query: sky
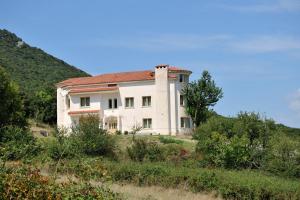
column 251, row 48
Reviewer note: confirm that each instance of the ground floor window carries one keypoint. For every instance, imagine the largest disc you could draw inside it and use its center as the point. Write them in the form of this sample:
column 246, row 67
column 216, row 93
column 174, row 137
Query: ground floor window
column 112, row 125
column 185, row 122
column 147, row 123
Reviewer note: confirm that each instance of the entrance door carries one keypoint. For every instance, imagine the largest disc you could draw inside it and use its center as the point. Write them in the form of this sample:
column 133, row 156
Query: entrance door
column 112, row 124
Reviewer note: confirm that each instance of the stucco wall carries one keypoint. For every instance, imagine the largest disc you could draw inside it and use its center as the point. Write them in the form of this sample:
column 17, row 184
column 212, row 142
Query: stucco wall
column 165, row 110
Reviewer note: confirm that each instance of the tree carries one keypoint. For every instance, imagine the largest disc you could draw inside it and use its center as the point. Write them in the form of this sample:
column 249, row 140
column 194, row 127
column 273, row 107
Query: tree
column 43, row 105
column 11, row 106
column 200, row 96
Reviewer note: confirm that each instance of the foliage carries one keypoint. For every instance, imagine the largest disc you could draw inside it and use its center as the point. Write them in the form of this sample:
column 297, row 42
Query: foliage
column 11, row 107
column 240, row 142
column 142, row 149
column 34, row 71
column 230, row 184
column 27, row 183
column 92, row 139
column 168, row 140
column 199, row 96
column 138, row 150
column 63, row 148
column 17, row 143
column 42, row 105
column 284, row 156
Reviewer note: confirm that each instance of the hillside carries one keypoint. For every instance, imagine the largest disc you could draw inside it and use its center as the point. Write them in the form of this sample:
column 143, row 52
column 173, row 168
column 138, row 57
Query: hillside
column 32, row 68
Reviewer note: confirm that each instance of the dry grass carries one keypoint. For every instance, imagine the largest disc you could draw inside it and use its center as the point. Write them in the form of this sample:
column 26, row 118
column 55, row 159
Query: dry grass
column 133, row 192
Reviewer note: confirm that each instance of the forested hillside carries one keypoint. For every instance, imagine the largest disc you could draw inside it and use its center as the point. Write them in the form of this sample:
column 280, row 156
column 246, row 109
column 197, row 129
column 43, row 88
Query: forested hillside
column 32, row 68
column 36, row 73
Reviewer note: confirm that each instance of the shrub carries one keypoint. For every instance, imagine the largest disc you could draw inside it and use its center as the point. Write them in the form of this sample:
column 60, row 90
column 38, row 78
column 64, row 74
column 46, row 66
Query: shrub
column 24, row 183
column 235, row 143
column 155, row 152
column 138, row 150
column 168, row 140
column 284, row 157
column 142, row 149
column 229, row 184
column 92, row 139
column 118, row 132
column 17, row 143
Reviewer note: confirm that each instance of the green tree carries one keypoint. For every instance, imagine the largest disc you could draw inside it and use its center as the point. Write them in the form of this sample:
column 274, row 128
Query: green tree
column 199, row 96
column 11, row 106
column 43, row 105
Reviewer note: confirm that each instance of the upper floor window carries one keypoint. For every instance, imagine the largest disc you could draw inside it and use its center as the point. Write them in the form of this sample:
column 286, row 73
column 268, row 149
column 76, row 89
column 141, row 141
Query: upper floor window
column 147, row 123
column 84, row 101
column 115, row 103
column 185, row 122
column 181, row 100
column 183, row 78
column 129, row 102
column 68, row 102
column 112, row 103
column 147, row 101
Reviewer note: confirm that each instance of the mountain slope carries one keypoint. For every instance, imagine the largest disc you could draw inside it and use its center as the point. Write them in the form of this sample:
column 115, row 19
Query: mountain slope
column 31, row 67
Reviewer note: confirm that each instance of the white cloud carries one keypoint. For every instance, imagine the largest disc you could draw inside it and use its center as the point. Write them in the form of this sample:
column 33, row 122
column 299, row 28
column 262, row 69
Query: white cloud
column 225, row 42
column 294, row 102
column 262, row 44
column 166, row 42
column 268, row 6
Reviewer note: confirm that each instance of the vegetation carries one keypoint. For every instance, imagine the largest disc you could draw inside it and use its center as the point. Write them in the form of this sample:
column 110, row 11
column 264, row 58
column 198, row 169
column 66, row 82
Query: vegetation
column 248, row 141
column 11, row 105
column 21, row 182
column 230, row 184
column 199, row 96
column 36, row 72
column 246, row 157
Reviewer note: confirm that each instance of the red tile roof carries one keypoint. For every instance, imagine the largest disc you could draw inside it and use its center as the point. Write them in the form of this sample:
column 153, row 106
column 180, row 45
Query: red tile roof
column 110, row 78
column 96, row 89
column 83, row 112
column 117, row 77
column 177, row 69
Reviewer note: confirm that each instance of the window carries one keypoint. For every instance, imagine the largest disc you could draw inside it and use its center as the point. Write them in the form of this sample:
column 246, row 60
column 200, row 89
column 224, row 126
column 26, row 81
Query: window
column 129, row 102
column 185, row 122
column 110, row 103
column 181, row 100
column 183, row 78
column 112, row 125
column 115, row 103
column 68, row 102
column 147, row 123
column 147, row 101
column 84, row 101
column 180, row 78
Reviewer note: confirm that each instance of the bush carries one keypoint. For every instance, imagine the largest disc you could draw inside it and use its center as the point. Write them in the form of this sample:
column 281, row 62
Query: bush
column 168, row 140
column 142, row 149
column 118, row 132
column 92, row 139
column 26, row 183
column 229, row 184
column 235, row 143
column 155, row 152
column 17, row 143
column 284, row 157
column 138, row 150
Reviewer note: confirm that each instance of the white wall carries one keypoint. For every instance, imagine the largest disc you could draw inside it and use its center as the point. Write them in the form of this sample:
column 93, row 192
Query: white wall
column 165, row 109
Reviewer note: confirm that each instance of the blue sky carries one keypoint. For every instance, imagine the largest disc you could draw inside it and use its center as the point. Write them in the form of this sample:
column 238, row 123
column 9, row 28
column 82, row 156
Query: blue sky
column 252, row 48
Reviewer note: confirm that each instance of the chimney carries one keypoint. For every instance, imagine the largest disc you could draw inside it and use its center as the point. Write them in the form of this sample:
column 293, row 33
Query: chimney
column 162, row 98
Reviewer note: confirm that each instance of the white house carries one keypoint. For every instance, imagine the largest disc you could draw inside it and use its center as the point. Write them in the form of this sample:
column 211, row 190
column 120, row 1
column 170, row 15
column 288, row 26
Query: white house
column 150, row 99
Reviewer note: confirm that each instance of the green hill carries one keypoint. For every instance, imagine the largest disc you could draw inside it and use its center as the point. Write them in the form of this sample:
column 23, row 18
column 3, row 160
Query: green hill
column 32, row 68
